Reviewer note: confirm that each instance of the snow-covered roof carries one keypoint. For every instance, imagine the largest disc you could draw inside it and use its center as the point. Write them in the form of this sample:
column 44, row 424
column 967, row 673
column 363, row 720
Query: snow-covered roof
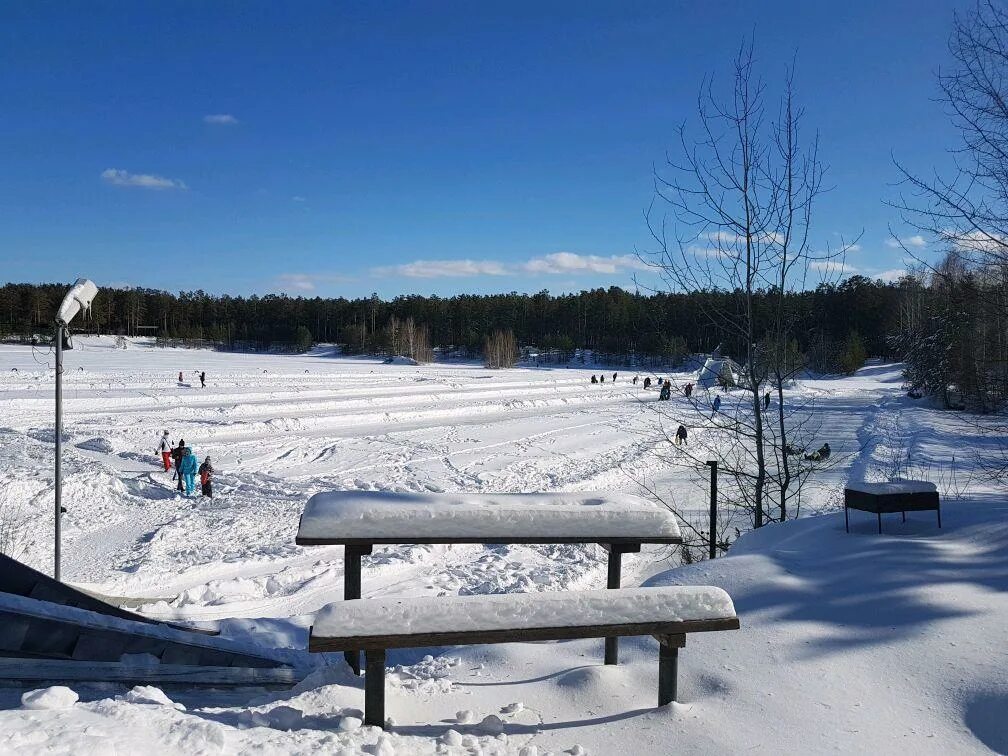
column 894, row 487
column 411, row 517
column 408, row 616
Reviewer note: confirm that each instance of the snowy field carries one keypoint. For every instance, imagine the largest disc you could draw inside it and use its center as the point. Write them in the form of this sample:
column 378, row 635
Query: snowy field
column 849, row 642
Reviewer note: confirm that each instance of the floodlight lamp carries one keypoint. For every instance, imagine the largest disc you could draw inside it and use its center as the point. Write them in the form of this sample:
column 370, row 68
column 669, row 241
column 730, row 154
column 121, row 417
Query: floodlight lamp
column 78, row 298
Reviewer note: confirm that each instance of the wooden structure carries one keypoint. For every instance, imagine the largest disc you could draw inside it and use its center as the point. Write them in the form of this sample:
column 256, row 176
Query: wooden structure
column 889, row 498
column 52, row 631
column 483, row 625
column 444, row 526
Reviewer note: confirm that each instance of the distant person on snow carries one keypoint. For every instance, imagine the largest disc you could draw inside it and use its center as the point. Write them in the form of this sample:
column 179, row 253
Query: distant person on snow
column 716, row 405
column 601, row 378
column 647, row 382
column 766, row 401
column 188, row 470
column 614, row 377
column 821, row 455
column 202, row 379
column 206, row 478
column 177, row 454
column 635, row 379
column 688, row 390
column 680, row 435
column 166, row 451
column 666, row 392
column 180, row 376
column 594, row 379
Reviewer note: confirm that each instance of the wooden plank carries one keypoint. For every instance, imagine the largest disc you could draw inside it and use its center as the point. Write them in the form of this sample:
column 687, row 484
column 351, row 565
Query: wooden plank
column 498, row 540
column 923, row 501
column 37, row 670
column 517, row 635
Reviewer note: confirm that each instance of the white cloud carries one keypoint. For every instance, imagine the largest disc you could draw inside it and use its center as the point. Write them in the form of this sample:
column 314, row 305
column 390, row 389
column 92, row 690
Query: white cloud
column 977, row 241
column 556, row 263
column 571, row 262
column 832, row 266
column 306, row 282
column 120, row 177
column 916, row 240
column 890, row 276
column 698, row 251
column 220, row 119
column 444, row 269
column 298, row 198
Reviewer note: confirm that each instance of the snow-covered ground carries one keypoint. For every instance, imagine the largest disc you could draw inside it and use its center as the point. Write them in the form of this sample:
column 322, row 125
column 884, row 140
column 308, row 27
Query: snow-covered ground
column 849, row 642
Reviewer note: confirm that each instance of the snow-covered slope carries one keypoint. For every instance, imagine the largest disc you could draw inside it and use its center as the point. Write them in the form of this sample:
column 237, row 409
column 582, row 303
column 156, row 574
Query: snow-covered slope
column 849, row 642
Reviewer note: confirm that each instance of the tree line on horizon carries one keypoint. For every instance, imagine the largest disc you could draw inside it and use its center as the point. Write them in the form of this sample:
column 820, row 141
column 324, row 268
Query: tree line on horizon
column 661, row 326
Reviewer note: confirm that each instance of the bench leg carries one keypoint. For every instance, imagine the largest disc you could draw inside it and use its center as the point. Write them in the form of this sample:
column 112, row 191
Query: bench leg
column 880, row 523
column 374, row 688
column 613, row 581
column 352, row 590
column 904, row 516
column 938, row 510
column 668, row 667
column 846, row 517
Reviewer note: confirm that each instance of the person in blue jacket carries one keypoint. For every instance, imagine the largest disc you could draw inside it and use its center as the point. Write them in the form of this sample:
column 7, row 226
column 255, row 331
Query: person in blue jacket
column 188, row 469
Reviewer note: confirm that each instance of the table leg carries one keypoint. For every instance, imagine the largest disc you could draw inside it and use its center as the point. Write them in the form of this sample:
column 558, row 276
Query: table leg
column 613, row 581
column 352, row 590
column 374, row 688
column 668, row 668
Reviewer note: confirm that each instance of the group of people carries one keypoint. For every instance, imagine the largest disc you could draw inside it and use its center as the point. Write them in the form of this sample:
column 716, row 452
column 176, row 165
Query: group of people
column 187, row 467
column 601, row 378
column 202, row 378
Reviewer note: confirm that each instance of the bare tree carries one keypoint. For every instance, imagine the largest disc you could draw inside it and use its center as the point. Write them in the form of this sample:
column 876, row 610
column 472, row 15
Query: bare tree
column 738, row 205
column 500, row 350
column 958, row 341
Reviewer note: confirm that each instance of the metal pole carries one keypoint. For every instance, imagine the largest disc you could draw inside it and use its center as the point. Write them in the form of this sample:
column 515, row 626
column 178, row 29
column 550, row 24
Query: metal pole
column 59, row 449
column 712, row 532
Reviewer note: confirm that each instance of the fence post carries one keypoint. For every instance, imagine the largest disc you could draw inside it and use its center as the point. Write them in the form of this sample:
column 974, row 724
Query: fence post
column 712, row 531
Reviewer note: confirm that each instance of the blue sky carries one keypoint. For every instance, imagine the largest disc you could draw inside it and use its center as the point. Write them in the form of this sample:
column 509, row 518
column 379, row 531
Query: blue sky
column 340, row 149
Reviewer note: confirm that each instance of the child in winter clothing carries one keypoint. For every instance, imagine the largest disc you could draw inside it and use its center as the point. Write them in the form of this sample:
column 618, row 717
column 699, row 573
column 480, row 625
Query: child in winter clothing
column 206, row 478
column 680, row 435
column 188, row 471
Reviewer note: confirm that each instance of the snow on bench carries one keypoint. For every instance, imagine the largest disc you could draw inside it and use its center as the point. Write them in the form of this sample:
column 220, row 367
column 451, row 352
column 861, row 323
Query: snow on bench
column 388, row 618
column 895, row 496
column 384, row 517
column 667, row 613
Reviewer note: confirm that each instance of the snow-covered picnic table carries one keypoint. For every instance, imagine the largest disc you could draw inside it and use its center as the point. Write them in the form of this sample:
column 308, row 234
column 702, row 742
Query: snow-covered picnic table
column 357, row 520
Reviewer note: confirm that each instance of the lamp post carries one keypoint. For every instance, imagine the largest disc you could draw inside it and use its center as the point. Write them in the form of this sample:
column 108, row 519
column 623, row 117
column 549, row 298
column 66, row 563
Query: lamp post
column 78, row 298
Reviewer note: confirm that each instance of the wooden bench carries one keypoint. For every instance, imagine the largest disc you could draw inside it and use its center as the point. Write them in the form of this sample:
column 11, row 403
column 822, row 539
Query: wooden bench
column 357, row 520
column 897, row 496
column 376, row 625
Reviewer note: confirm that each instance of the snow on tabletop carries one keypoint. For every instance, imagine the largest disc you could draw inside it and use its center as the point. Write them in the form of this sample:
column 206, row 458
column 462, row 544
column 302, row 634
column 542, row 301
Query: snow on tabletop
column 407, row 616
column 894, row 487
column 382, row 514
